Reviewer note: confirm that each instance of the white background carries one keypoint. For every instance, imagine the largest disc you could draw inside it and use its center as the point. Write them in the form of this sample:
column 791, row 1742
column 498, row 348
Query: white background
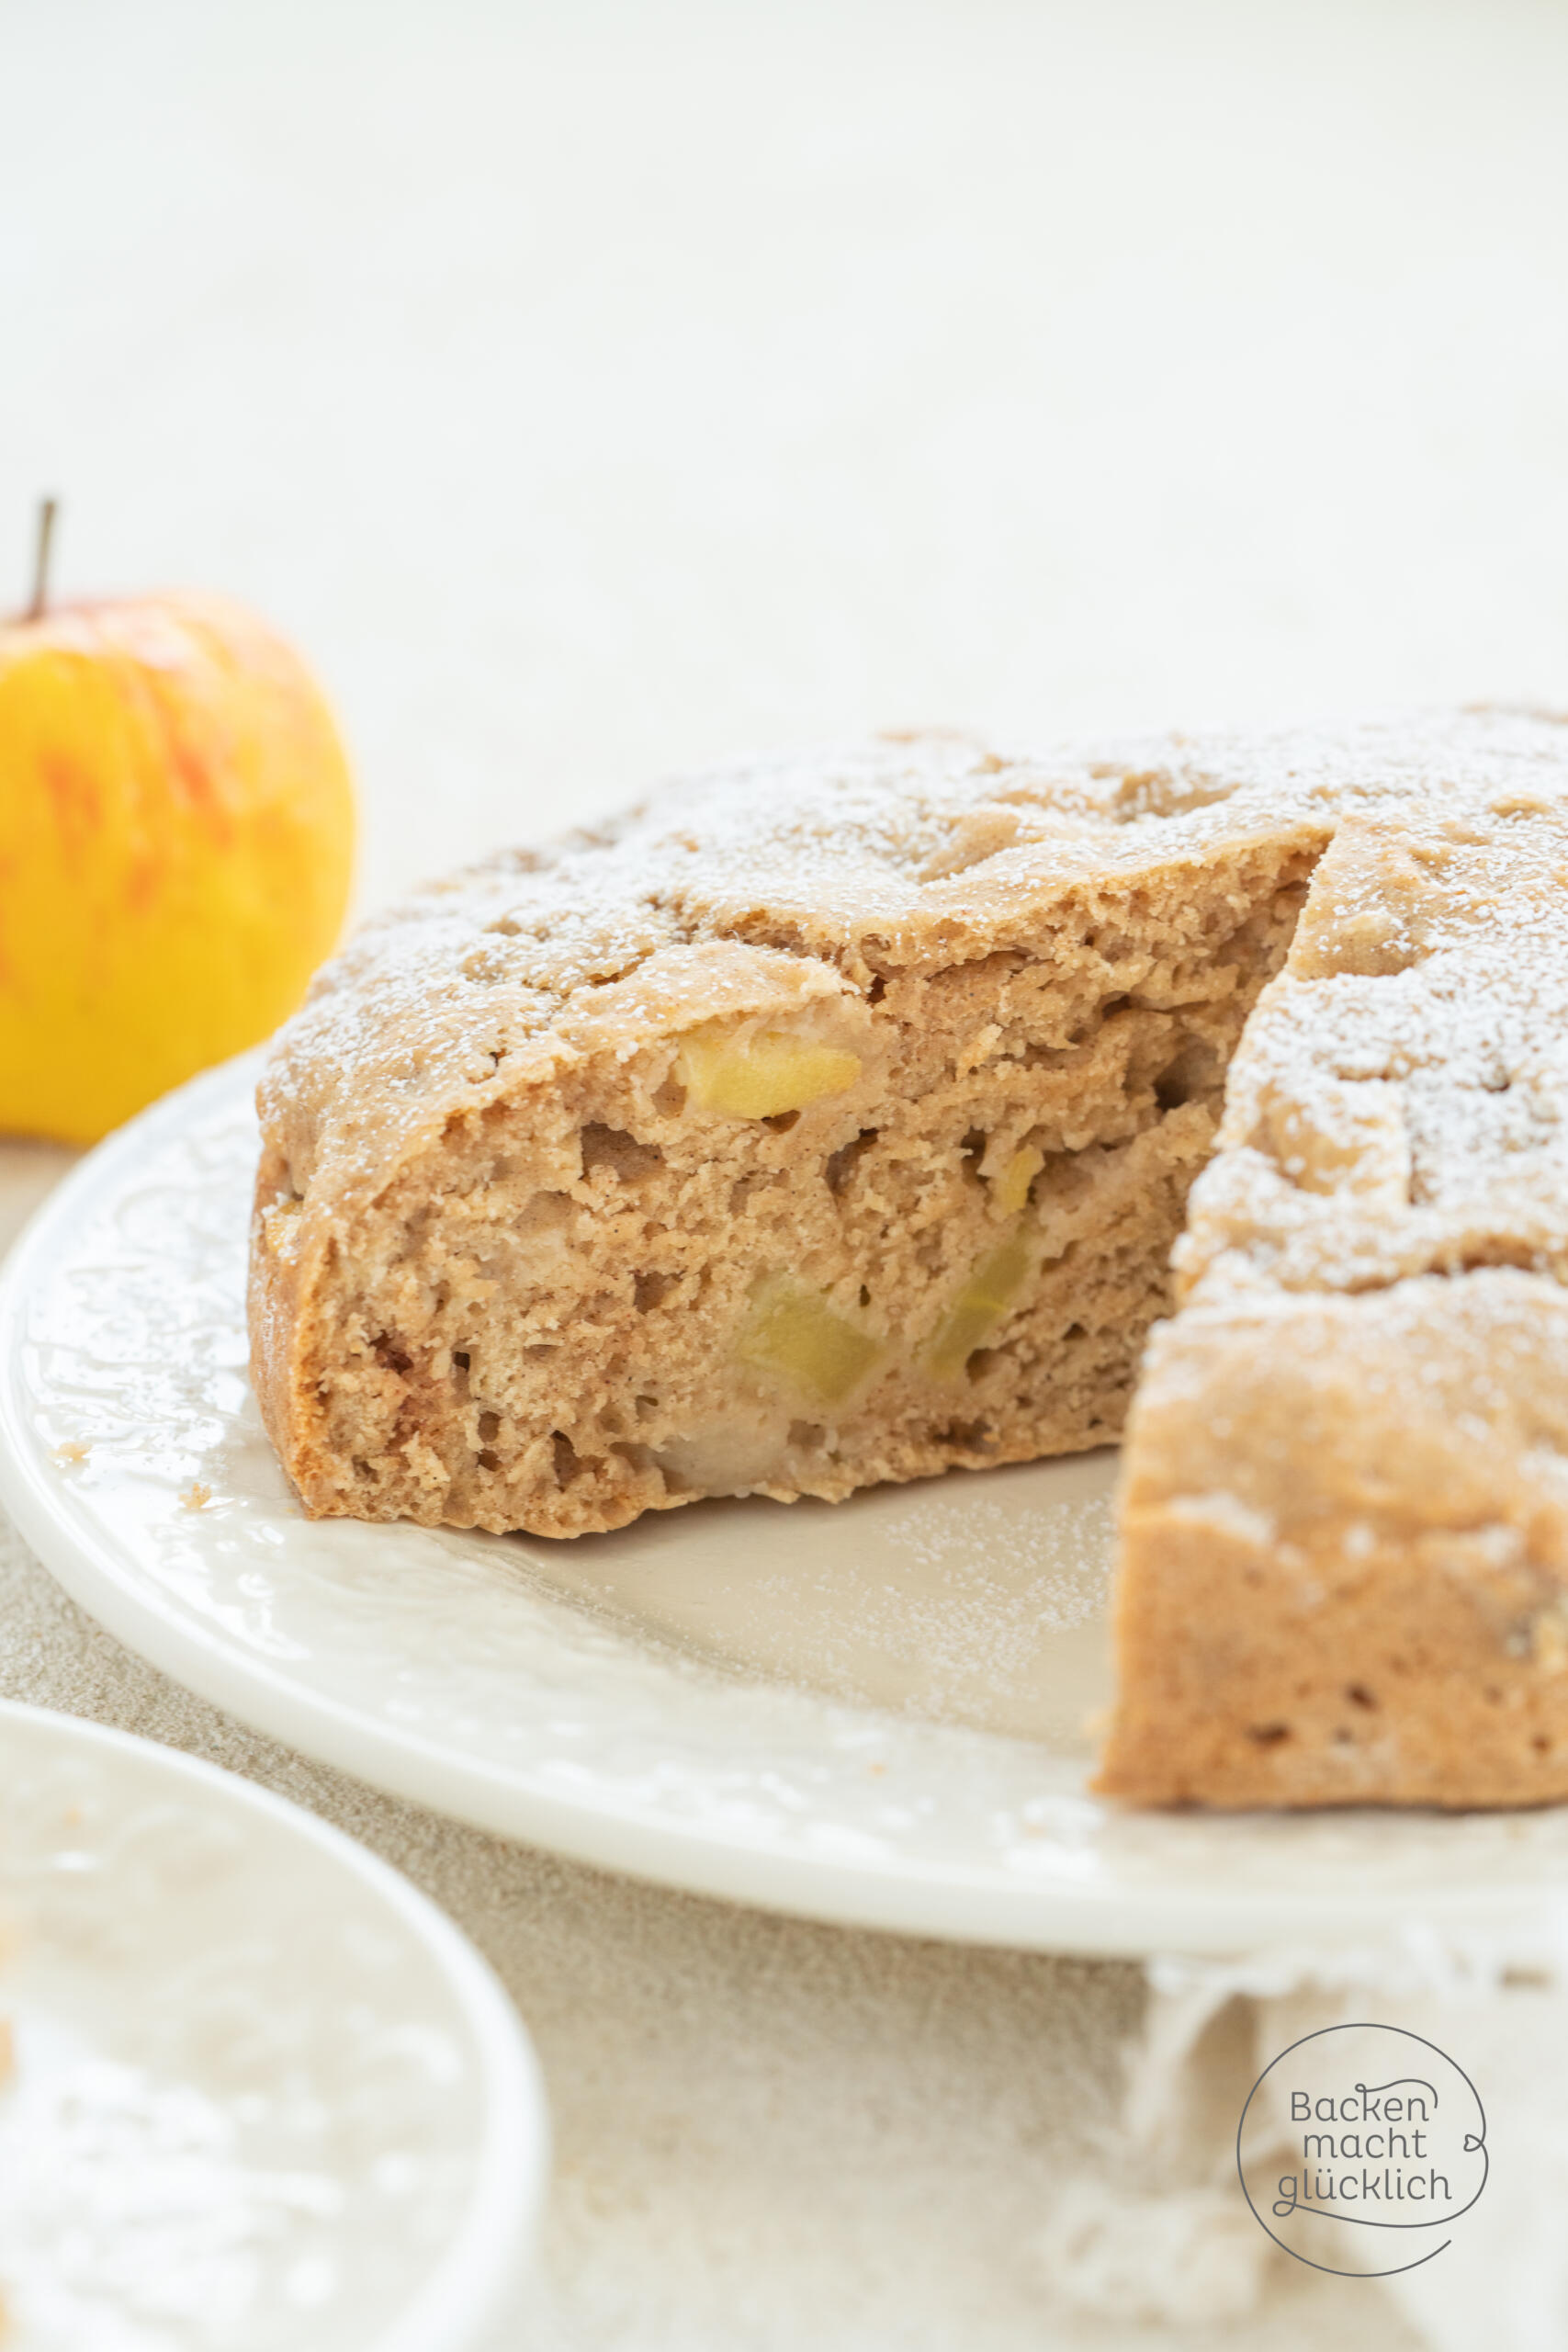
column 595, row 391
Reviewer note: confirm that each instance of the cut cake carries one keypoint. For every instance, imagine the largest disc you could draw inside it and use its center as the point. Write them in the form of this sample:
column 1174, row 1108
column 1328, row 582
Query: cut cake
column 828, row 1121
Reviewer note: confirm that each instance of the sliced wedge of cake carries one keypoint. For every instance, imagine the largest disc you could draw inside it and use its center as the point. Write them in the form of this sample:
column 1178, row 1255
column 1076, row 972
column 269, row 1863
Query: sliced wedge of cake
column 816, row 1125
column 1344, row 1569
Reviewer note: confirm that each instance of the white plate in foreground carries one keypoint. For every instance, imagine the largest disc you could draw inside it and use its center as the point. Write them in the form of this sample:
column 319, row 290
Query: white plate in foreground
column 257, row 2092
column 872, row 1713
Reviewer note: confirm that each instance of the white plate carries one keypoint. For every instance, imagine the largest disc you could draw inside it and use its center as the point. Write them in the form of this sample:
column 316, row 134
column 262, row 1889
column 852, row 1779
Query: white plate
column 259, row 2092
column 873, row 1713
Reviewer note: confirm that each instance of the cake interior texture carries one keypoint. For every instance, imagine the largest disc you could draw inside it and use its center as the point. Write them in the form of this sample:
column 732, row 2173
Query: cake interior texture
column 581, row 1200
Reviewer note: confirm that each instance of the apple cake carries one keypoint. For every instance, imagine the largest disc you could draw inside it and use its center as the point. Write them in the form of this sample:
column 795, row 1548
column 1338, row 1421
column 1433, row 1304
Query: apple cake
column 831, row 1121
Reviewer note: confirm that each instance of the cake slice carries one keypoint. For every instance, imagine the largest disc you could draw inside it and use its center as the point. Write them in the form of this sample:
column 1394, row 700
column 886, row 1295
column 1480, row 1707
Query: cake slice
column 1344, row 1548
column 816, row 1125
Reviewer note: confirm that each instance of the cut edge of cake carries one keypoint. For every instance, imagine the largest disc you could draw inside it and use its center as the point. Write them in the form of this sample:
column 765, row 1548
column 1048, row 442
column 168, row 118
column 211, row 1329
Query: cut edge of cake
column 761, row 1217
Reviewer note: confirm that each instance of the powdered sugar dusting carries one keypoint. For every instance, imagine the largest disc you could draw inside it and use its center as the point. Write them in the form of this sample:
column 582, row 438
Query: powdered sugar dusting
column 130, row 2222
column 1062, row 1554
column 1397, row 1106
column 956, row 1610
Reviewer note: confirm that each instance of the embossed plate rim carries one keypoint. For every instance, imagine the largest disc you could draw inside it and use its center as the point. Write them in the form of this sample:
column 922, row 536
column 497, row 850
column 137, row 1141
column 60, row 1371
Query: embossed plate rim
column 1103, row 1898
column 463, row 2293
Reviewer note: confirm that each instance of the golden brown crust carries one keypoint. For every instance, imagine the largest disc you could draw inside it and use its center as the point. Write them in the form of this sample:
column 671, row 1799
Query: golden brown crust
column 271, row 1303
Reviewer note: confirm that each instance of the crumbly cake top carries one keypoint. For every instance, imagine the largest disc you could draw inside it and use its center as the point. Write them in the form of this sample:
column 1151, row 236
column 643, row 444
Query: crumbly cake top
column 1399, row 1105
column 899, row 853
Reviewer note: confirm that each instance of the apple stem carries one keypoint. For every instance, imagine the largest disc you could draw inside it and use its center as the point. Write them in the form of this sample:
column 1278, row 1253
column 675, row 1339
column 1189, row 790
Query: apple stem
column 48, row 509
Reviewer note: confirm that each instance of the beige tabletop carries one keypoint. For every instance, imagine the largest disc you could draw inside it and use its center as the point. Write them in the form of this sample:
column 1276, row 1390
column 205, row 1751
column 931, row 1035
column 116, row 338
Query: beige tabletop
column 598, row 391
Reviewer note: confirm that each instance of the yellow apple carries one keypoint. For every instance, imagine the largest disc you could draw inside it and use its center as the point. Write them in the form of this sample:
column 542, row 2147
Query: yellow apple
column 177, row 835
